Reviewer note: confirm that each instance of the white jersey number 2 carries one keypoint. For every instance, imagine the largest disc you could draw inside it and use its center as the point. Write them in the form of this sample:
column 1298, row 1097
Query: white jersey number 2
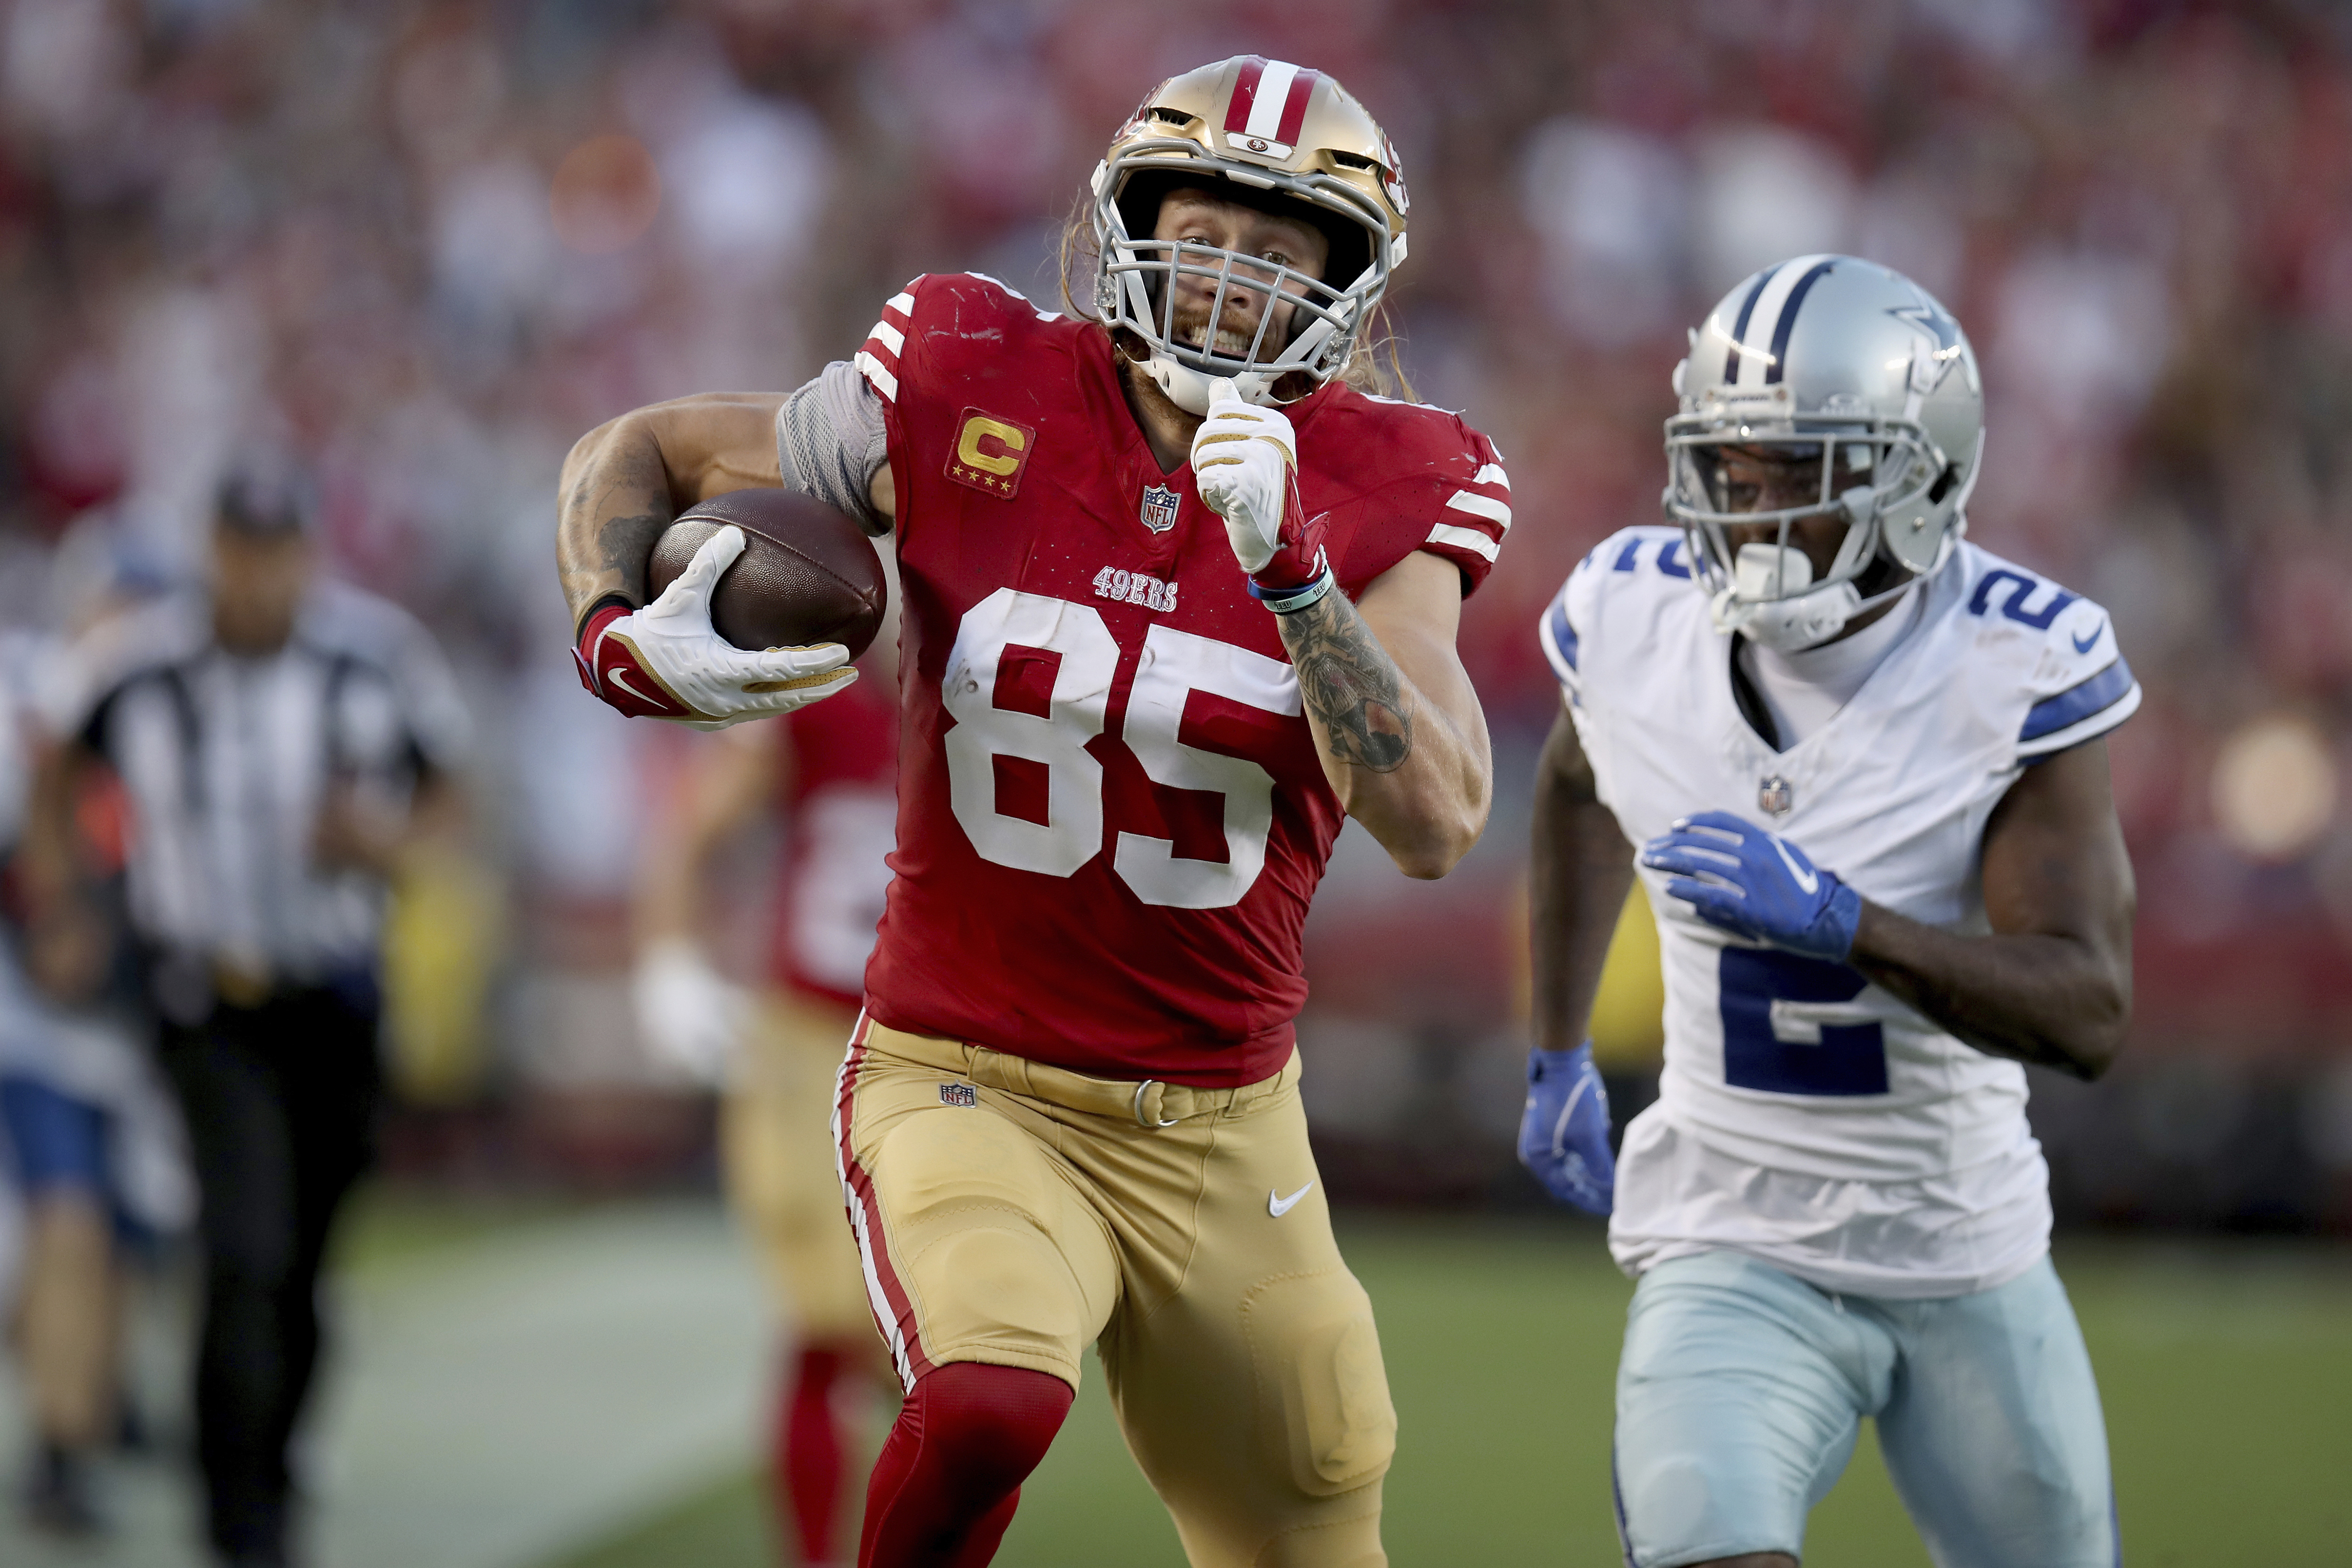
column 1172, row 666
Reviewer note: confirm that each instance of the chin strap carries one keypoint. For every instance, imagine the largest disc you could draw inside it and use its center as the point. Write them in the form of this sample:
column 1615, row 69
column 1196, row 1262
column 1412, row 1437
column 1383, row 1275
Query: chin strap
column 1191, row 390
column 1787, row 624
column 1806, row 619
column 1792, row 626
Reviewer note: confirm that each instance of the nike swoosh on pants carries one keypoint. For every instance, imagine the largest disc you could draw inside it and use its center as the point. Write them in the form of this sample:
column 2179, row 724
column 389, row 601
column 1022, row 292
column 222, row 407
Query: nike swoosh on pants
column 1277, row 1207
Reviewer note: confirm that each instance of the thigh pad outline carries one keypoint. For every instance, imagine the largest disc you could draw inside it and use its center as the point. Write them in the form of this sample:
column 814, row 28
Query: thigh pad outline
column 1005, row 1263
column 1322, row 1390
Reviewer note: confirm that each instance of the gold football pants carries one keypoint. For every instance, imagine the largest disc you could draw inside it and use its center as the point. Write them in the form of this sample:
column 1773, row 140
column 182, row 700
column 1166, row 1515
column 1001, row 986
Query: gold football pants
column 779, row 1165
column 1010, row 1211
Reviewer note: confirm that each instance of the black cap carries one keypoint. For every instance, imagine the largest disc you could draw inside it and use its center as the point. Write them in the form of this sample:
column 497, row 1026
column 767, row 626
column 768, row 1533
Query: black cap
column 266, row 500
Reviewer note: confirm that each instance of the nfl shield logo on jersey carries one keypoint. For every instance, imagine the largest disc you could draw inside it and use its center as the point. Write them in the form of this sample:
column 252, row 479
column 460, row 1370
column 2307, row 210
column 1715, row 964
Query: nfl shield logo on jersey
column 1159, row 508
column 1773, row 795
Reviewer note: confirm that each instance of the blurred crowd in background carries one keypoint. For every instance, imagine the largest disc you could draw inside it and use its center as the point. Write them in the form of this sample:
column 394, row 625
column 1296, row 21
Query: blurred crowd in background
column 426, row 244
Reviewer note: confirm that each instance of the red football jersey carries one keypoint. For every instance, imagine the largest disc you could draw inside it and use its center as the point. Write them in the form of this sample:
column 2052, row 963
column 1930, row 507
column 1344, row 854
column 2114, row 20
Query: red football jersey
column 839, row 797
column 1110, row 814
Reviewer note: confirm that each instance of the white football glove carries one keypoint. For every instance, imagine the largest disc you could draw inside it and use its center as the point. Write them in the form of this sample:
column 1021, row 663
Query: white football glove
column 665, row 661
column 691, row 1016
column 1242, row 456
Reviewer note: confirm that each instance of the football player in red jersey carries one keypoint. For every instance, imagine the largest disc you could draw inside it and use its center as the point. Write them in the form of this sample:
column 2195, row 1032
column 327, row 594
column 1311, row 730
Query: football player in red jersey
column 1178, row 599
column 829, row 770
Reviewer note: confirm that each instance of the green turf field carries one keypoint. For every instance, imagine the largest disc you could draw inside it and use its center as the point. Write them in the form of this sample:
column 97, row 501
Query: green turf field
column 2226, row 1367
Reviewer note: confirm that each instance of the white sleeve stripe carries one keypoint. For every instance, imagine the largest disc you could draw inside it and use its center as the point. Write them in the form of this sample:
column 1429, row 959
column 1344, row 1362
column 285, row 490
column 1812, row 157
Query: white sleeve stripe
column 2089, row 729
column 1494, row 511
column 891, row 336
column 1492, row 474
column 902, row 302
column 879, row 374
column 1468, row 539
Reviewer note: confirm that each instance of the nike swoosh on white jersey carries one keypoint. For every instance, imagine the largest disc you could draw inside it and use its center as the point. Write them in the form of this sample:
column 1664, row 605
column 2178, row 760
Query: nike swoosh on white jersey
column 1277, row 1207
column 1805, row 879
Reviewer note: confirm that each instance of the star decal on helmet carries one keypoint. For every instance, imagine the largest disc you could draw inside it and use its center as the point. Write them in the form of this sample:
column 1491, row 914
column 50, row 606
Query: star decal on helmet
column 1932, row 322
column 1932, row 319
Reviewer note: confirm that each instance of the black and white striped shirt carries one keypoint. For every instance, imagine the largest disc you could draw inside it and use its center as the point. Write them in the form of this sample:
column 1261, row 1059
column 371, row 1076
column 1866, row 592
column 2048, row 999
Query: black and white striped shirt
column 227, row 761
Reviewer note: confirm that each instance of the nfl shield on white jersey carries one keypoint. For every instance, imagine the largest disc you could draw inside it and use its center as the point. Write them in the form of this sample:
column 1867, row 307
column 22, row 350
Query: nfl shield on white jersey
column 1797, row 1067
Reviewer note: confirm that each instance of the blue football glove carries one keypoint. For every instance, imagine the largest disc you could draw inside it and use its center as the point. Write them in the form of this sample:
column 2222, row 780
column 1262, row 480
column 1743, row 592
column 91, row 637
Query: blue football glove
column 1756, row 885
column 1564, row 1131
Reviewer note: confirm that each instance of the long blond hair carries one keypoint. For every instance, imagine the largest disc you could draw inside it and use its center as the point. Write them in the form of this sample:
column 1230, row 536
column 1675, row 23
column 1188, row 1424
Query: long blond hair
column 1364, row 372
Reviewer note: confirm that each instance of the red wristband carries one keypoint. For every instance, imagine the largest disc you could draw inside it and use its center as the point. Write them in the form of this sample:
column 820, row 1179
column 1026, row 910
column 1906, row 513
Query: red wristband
column 1298, row 550
column 609, row 667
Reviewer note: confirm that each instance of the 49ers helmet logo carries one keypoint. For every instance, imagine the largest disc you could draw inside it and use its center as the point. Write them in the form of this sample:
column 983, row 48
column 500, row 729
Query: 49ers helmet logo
column 1392, row 178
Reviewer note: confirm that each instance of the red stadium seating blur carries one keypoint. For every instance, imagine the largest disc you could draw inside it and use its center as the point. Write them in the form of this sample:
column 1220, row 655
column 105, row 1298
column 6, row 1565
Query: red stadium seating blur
column 365, row 232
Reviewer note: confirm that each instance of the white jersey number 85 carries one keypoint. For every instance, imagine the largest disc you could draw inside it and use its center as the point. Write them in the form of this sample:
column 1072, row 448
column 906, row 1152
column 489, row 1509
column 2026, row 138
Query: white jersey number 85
column 1172, row 664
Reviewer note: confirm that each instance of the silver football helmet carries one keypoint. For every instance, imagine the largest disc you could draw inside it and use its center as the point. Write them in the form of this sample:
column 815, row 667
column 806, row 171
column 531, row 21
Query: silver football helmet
column 1843, row 364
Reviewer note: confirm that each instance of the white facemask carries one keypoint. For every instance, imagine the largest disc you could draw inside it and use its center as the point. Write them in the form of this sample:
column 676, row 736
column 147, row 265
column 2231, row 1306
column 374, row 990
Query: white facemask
column 1766, row 603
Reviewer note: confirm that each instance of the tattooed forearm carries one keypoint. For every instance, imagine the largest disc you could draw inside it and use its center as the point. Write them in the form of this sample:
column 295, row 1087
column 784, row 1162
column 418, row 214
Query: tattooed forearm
column 627, row 545
column 626, row 480
column 615, row 502
column 1350, row 683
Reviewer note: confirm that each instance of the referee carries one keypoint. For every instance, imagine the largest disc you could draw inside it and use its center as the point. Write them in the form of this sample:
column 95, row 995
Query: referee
column 283, row 742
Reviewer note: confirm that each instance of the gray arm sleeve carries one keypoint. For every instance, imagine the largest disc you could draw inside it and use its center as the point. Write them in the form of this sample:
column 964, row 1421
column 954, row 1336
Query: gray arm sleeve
column 831, row 441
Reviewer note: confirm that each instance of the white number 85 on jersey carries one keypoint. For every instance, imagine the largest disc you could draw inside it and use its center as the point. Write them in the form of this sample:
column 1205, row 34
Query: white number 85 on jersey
column 1172, row 664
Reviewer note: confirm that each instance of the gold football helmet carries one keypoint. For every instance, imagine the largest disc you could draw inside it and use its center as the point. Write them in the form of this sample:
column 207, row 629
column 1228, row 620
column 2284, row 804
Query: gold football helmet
column 1276, row 130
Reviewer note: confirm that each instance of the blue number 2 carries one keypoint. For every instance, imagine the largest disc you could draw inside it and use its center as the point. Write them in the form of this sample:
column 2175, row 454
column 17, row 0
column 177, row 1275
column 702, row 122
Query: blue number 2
column 1787, row 1028
column 2021, row 588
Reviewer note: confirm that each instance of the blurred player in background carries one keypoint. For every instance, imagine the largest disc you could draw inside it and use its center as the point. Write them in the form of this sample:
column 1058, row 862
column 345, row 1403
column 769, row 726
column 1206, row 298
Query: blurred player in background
column 89, row 1138
column 1865, row 764
column 1071, row 1114
column 283, row 742
column 829, row 773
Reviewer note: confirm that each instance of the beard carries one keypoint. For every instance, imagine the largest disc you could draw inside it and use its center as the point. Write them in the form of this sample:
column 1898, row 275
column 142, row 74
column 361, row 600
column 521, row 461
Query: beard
column 1234, row 333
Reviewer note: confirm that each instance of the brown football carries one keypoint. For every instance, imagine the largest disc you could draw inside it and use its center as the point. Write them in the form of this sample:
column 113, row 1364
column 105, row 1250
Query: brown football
column 807, row 573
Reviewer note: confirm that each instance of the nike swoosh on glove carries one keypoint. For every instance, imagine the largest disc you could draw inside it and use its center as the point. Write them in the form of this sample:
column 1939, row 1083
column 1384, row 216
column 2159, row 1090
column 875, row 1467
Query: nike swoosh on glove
column 1564, row 1131
column 688, row 1014
column 1756, row 885
column 1244, row 463
column 665, row 661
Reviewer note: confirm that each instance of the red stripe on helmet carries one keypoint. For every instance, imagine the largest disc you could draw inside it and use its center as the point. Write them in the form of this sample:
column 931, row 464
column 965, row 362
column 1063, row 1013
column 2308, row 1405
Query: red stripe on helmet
column 1237, row 112
column 1294, row 107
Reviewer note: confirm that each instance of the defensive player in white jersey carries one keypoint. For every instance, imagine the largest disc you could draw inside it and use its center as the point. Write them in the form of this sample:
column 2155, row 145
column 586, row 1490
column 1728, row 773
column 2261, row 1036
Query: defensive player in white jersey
column 1864, row 761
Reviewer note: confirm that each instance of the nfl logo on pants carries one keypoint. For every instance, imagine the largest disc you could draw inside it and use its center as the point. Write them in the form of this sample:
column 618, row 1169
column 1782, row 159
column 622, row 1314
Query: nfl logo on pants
column 1159, row 508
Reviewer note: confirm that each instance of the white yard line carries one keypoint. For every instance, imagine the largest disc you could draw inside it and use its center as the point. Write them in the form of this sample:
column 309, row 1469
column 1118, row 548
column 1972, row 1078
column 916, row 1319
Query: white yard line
column 492, row 1407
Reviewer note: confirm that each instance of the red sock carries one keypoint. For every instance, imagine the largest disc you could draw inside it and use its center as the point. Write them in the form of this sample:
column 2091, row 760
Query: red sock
column 945, row 1487
column 809, row 1443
